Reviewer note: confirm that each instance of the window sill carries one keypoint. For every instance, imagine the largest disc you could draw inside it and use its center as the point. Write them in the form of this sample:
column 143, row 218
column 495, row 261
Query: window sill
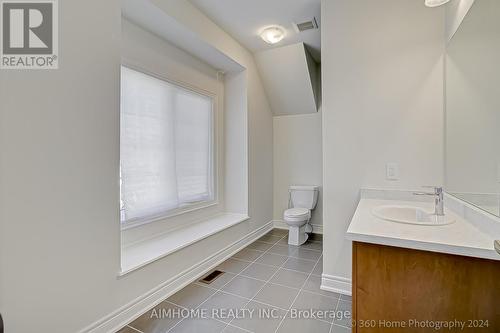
column 140, row 254
column 188, row 209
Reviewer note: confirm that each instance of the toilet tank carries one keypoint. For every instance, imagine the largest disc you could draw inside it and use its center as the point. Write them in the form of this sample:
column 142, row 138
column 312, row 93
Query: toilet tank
column 304, row 196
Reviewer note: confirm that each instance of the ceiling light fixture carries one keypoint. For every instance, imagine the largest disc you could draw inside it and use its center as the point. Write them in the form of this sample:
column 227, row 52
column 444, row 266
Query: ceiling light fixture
column 435, row 3
column 272, row 35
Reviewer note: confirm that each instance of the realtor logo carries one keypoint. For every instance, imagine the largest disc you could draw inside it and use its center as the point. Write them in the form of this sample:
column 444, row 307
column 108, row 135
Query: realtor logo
column 29, row 37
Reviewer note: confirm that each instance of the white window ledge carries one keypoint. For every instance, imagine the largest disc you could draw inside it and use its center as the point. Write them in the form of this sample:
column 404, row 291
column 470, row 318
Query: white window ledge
column 140, row 254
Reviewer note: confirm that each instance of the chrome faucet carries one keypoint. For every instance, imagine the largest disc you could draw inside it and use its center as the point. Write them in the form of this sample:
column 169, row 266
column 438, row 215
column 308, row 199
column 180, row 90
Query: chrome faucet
column 438, row 199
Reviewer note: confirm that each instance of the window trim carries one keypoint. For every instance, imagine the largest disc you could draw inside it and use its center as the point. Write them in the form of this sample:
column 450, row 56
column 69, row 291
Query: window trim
column 137, row 222
column 216, row 144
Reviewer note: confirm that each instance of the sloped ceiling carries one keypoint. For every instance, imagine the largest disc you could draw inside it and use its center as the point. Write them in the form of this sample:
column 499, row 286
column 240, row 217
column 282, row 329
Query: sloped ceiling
column 244, row 20
column 289, row 76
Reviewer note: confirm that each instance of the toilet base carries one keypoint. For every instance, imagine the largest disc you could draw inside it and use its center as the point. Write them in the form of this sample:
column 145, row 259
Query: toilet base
column 297, row 235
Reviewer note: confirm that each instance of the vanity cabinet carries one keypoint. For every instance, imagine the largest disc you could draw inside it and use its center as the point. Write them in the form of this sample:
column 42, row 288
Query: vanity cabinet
column 404, row 290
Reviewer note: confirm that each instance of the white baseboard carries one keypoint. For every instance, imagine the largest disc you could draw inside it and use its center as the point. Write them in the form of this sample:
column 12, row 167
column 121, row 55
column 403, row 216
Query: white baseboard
column 119, row 318
column 336, row 284
column 280, row 224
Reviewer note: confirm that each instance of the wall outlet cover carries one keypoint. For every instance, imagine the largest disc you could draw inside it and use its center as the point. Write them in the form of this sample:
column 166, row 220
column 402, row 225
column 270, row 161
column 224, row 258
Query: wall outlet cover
column 392, row 171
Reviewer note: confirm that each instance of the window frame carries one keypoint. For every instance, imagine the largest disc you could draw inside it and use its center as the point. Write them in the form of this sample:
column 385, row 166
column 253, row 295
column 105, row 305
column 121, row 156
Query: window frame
column 215, row 154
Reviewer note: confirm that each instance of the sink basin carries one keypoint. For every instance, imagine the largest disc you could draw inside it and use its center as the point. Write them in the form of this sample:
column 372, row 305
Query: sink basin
column 411, row 215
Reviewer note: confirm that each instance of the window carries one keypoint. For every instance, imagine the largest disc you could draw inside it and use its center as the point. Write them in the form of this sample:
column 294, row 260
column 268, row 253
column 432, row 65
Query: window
column 166, row 147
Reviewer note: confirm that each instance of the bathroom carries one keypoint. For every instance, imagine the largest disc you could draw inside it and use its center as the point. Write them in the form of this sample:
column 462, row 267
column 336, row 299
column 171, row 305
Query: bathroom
column 335, row 167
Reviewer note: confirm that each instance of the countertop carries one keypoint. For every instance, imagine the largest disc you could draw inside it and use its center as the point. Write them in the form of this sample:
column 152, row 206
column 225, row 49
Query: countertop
column 460, row 238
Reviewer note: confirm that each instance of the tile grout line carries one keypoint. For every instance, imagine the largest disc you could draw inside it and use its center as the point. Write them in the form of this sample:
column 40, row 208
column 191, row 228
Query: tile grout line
column 338, row 300
column 253, row 278
column 288, row 269
column 220, row 289
column 215, row 290
column 275, row 283
column 309, row 241
column 268, row 281
column 184, row 308
column 281, row 267
column 272, row 266
column 300, row 290
column 135, row 329
column 252, row 299
column 296, row 246
column 336, row 307
column 245, row 298
column 336, row 310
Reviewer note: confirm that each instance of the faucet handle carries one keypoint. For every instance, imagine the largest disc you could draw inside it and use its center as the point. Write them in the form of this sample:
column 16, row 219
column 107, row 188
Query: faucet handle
column 437, row 189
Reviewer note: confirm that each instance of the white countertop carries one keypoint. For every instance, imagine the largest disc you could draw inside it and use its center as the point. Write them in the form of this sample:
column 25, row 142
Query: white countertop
column 460, row 238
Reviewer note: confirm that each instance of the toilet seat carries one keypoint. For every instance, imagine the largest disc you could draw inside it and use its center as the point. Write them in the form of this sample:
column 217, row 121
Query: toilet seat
column 303, row 199
column 297, row 214
column 297, row 219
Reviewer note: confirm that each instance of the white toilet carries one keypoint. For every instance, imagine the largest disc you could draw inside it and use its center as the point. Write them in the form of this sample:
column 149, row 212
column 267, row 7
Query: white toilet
column 302, row 199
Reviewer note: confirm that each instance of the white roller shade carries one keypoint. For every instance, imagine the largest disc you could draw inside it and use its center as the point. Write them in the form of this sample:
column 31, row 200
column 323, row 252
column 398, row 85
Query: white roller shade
column 166, row 146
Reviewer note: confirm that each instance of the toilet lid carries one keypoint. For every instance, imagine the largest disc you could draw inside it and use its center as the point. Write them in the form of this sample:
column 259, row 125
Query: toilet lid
column 297, row 212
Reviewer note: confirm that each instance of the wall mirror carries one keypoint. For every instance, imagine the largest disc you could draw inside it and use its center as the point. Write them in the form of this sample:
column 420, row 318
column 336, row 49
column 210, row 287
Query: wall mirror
column 473, row 108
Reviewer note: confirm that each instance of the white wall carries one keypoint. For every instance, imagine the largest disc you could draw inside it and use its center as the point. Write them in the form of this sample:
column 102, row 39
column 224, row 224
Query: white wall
column 297, row 159
column 287, row 77
column 382, row 82
column 456, row 10
column 59, row 144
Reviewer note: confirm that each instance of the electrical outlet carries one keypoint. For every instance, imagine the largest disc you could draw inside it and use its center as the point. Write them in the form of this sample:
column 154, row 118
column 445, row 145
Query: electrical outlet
column 392, row 171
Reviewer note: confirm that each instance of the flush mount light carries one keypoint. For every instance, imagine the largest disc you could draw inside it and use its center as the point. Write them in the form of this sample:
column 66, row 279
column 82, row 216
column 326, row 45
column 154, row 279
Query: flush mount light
column 272, row 35
column 435, row 3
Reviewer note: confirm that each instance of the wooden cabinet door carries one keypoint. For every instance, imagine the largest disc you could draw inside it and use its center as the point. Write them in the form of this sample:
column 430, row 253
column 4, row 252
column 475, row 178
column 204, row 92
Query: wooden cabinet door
column 395, row 286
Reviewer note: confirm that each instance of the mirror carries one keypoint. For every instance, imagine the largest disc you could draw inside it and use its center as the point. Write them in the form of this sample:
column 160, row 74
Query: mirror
column 473, row 108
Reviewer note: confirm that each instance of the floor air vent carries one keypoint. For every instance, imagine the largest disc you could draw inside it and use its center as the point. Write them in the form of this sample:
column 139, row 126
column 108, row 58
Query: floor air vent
column 211, row 277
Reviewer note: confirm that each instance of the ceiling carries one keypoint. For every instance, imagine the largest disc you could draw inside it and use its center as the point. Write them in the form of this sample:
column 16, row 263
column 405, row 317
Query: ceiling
column 244, row 19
